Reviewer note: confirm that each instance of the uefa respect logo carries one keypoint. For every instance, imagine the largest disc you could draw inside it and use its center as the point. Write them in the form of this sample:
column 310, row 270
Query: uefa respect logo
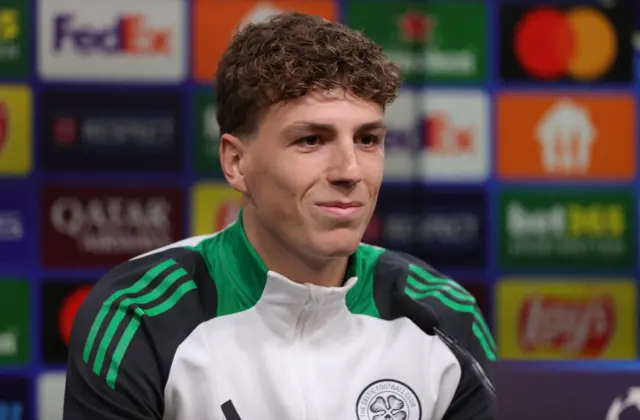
column 106, row 131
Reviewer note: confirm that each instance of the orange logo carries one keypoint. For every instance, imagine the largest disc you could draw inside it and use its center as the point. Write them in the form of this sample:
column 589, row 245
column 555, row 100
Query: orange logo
column 551, row 43
column 566, row 137
column 554, row 319
column 215, row 22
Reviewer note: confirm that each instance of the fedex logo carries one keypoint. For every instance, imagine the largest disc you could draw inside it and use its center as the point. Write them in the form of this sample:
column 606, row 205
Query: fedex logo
column 129, row 34
column 438, row 135
column 112, row 41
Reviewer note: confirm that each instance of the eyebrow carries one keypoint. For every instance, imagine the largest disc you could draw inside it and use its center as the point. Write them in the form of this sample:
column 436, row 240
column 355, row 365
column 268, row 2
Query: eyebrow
column 314, row 126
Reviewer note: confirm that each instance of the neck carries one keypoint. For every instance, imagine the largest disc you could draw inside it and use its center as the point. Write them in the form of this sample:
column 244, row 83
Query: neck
column 283, row 259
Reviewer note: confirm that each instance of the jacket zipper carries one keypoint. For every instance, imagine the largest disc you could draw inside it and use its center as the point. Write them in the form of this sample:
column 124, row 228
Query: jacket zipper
column 304, row 373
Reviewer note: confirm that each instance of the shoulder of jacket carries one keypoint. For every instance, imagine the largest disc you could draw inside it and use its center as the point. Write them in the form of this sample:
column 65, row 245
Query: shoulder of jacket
column 178, row 257
column 141, row 308
column 453, row 304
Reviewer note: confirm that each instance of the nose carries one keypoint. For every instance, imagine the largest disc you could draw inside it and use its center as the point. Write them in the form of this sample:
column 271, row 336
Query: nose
column 346, row 169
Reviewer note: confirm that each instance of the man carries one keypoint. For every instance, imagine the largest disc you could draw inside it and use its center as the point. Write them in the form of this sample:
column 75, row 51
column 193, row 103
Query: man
column 285, row 315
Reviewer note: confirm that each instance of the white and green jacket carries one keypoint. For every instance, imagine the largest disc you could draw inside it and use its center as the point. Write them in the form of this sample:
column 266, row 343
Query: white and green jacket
column 201, row 330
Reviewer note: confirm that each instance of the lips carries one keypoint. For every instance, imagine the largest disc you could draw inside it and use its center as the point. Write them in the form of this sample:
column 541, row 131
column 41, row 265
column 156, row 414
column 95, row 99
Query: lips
column 345, row 210
column 341, row 204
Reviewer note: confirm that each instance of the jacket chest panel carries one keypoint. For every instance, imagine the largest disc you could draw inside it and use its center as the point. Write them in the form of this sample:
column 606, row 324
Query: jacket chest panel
column 381, row 370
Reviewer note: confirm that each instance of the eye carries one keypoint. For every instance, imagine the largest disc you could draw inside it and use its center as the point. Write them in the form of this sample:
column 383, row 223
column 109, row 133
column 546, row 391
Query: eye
column 309, row 141
column 370, row 140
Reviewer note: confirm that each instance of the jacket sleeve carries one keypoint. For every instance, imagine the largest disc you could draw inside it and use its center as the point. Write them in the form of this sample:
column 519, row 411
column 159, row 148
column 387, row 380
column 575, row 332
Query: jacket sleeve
column 113, row 372
column 475, row 397
column 469, row 336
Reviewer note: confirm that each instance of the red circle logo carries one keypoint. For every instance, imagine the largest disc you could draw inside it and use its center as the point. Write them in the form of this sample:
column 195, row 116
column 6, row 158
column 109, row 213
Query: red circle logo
column 65, row 130
column 68, row 311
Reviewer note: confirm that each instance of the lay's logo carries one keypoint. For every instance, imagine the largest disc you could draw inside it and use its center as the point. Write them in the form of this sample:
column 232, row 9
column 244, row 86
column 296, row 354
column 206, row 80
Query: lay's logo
column 582, row 327
column 566, row 319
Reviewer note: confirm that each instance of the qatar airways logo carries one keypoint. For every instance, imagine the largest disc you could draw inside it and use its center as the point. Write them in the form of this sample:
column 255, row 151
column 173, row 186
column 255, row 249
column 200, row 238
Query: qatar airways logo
column 113, row 225
column 128, row 34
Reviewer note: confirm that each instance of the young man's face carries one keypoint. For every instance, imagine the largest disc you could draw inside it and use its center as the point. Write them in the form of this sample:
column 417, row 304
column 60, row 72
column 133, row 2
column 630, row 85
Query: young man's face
column 313, row 172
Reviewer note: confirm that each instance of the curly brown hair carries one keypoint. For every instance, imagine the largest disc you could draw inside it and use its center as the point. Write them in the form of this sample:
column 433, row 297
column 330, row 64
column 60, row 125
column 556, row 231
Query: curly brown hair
column 291, row 54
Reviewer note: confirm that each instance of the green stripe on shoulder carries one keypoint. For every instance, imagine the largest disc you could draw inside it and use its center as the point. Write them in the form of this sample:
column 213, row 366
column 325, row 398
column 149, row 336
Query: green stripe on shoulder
column 124, row 306
column 422, row 284
column 134, row 323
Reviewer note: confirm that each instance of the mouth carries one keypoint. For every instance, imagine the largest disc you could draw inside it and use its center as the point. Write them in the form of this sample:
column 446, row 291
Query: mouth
column 341, row 204
column 341, row 209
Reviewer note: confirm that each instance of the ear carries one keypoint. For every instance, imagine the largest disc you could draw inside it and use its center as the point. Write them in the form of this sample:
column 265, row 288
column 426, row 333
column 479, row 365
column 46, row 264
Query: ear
column 232, row 151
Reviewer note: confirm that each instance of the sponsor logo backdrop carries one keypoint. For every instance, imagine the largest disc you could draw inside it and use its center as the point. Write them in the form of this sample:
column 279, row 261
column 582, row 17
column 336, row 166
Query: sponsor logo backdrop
column 556, row 319
column 110, row 131
column 507, row 158
column 102, row 226
column 116, row 40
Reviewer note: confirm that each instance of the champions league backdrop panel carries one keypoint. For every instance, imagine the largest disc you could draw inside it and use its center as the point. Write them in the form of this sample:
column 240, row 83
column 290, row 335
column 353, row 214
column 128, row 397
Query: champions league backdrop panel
column 522, row 186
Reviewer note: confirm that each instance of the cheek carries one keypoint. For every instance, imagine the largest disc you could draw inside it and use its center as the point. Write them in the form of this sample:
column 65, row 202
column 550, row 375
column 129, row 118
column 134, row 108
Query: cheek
column 274, row 191
column 373, row 173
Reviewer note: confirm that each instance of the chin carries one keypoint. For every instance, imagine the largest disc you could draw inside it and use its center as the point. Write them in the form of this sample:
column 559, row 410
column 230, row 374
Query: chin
column 338, row 243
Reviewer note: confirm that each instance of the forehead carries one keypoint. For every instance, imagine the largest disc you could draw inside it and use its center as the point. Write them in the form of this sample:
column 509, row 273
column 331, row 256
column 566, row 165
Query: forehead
column 335, row 108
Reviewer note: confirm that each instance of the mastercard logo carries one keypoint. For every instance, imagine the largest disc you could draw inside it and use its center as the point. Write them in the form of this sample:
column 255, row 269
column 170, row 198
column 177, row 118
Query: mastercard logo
column 580, row 43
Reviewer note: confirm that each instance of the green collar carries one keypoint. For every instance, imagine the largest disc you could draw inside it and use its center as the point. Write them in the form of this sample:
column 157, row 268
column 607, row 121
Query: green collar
column 242, row 261
column 249, row 273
